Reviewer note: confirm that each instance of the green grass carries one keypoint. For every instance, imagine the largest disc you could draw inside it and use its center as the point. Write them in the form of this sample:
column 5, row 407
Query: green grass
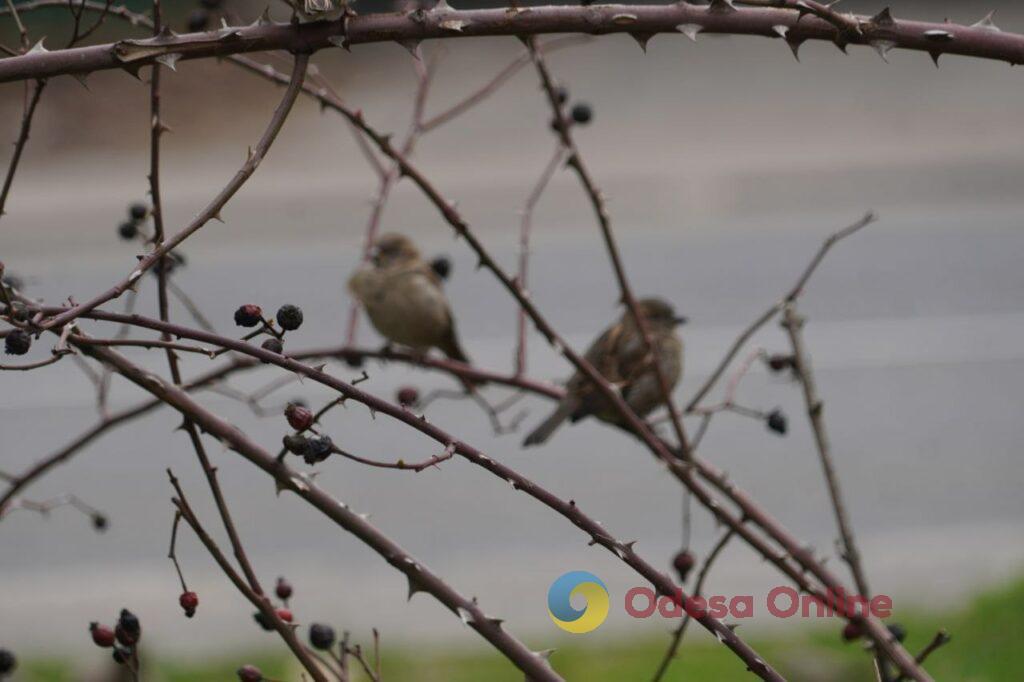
column 985, row 648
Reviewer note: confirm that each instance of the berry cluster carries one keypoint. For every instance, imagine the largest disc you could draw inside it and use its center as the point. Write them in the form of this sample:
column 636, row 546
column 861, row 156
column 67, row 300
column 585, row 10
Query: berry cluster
column 289, row 318
column 123, row 639
column 283, row 590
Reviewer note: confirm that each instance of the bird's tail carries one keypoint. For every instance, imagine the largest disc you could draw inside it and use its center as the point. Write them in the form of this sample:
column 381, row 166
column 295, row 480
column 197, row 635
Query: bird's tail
column 450, row 347
column 548, row 426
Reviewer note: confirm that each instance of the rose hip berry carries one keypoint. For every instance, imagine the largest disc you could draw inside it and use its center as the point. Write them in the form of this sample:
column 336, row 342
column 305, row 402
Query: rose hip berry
column 283, row 589
column 408, row 396
column 189, row 601
column 321, row 636
column 299, row 418
column 102, row 636
column 248, row 315
column 684, row 563
column 317, row 449
column 289, row 317
column 284, row 614
column 250, row 673
column 852, row 631
column 17, row 343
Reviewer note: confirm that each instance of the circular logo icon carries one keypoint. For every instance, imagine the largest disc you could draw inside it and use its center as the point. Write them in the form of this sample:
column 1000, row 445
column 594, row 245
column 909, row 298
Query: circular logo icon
column 591, row 588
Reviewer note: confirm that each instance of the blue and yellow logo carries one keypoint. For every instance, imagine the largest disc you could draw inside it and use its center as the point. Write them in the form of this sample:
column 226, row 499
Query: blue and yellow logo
column 578, row 621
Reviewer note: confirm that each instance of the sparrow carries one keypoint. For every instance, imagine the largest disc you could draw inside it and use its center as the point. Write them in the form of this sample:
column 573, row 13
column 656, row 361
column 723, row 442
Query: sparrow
column 620, row 355
column 403, row 297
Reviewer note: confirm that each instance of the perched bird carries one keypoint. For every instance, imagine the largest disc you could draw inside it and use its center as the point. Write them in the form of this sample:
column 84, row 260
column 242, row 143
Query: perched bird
column 620, row 356
column 402, row 295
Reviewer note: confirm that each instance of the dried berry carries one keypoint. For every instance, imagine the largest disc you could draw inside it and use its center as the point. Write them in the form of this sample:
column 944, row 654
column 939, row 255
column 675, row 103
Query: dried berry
column 248, row 315
column 17, row 343
column 296, row 444
column 780, row 361
column 250, row 673
column 684, row 563
column 129, row 229
column 321, row 636
column 263, row 621
column 198, row 20
column 7, row 662
column 273, row 344
column 408, row 396
column 283, row 589
column 128, row 630
column 101, row 635
column 189, row 601
column 318, row 449
column 289, row 317
column 120, row 656
column 284, row 614
column 898, row 632
column 582, row 113
column 852, row 631
column 776, row 421
column 100, row 522
column 441, row 266
column 354, row 361
column 138, row 212
column 299, row 418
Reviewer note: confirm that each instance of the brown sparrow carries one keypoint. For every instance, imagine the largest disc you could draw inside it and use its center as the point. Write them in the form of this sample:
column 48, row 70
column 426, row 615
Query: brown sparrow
column 620, row 356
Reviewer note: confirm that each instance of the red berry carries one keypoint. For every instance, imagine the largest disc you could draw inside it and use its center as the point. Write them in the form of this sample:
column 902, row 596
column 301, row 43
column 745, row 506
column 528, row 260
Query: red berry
column 285, row 615
column 684, row 563
column 283, row 589
column 852, row 631
column 250, row 673
column 101, row 635
column 248, row 315
column 189, row 601
column 408, row 396
column 300, row 418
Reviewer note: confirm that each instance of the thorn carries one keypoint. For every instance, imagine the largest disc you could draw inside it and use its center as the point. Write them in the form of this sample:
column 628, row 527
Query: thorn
column 935, row 54
column 882, row 47
column 883, row 18
column 544, row 654
column 690, row 30
column 170, row 60
column 780, row 30
column 986, row 23
column 641, row 39
column 721, row 7
column 413, row 46
column 38, row 47
column 80, row 77
column 339, row 41
column 794, row 46
column 166, row 33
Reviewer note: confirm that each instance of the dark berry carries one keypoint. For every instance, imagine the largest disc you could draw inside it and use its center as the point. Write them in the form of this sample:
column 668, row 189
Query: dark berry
column 198, row 20
column 898, row 632
column 128, row 230
column 852, row 631
column 17, row 343
column 284, row 614
column 562, row 94
column 318, row 449
column 250, row 673
column 780, row 362
column 296, row 444
column 189, row 601
column 776, row 421
column 321, row 636
column 684, row 563
column 7, row 662
column 138, row 212
column 248, row 315
column 299, row 418
column 273, row 344
column 128, row 630
column 120, row 656
column 289, row 317
column 101, row 635
column 582, row 113
column 442, row 266
column 263, row 621
column 408, row 396
column 100, row 522
column 283, row 589
column 353, row 360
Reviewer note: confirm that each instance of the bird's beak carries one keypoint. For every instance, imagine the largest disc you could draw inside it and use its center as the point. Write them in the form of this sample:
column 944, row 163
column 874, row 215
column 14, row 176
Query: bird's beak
column 679, row 319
